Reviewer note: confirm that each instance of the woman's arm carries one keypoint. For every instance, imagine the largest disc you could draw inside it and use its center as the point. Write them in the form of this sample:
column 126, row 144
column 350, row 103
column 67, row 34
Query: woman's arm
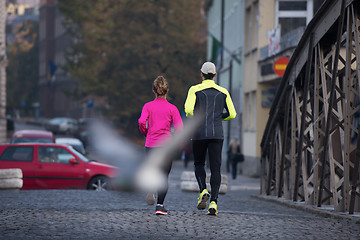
column 143, row 120
column 177, row 121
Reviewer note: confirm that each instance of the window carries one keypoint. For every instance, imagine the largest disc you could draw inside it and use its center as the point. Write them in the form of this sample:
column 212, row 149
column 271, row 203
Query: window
column 21, row 154
column 288, row 24
column 252, row 26
column 250, row 101
column 54, row 155
column 254, row 109
column 293, row 14
column 292, row 5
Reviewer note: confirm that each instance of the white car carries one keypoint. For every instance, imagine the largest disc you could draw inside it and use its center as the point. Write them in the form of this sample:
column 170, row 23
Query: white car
column 62, row 125
column 74, row 142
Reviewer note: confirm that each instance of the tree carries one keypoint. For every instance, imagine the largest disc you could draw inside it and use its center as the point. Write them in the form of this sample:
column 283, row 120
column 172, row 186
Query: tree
column 23, row 70
column 121, row 46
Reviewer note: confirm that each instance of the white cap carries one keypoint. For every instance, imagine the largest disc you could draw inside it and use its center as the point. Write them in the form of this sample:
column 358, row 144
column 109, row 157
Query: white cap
column 208, row 67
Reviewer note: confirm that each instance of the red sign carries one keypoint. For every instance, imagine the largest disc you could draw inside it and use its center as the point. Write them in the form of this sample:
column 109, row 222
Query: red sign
column 280, row 65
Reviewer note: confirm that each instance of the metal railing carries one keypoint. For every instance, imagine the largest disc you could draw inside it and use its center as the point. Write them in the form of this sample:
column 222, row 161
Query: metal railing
column 311, row 144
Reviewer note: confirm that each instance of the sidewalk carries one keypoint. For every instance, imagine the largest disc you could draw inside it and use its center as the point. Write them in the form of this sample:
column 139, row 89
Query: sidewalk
column 242, row 183
column 324, row 211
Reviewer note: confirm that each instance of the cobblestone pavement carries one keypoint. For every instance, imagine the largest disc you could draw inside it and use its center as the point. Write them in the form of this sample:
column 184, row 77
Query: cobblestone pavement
column 81, row 214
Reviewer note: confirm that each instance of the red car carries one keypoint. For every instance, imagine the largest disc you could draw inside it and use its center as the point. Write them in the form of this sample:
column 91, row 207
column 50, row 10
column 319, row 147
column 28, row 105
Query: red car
column 56, row 166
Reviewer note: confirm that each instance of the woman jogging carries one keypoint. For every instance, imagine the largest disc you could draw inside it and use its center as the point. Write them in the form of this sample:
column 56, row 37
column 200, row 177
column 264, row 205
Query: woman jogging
column 155, row 123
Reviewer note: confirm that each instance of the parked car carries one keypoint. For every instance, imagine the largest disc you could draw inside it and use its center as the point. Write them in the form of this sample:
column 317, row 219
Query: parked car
column 62, row 125
column 40, row 136
column 74, row 142
column 56, row 166
column 83, row 132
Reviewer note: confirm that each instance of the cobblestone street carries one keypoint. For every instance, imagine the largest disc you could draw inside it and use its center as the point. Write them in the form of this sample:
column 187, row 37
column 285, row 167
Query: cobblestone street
column 80, row 214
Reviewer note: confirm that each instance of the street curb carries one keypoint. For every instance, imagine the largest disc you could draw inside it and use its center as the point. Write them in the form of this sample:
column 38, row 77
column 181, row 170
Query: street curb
column 322, row 211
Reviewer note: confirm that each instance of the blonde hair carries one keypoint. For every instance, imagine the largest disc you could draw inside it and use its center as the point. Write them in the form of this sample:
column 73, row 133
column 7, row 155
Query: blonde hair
column 160, row 86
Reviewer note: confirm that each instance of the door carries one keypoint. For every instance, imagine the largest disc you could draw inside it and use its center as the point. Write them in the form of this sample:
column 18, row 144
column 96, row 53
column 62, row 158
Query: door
column 54, row 171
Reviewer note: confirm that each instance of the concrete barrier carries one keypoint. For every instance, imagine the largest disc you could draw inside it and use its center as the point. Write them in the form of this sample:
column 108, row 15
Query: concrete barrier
column 189, row 182
column 11, row 178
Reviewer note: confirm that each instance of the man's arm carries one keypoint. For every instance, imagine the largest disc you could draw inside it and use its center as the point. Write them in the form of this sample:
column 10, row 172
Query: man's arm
column 230, row 108
column 190, row 103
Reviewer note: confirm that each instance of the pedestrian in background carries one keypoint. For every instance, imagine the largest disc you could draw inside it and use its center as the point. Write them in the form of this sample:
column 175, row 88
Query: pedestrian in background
column 155, row 123
column 234, row 156
column 186, row 154
column 209, row 99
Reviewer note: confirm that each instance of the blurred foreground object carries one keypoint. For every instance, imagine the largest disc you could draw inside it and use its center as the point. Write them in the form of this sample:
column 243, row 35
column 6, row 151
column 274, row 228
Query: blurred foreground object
column 137, row 171
column 149, row 176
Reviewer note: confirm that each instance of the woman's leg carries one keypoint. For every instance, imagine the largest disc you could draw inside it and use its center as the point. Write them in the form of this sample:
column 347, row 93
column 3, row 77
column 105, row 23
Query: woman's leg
column 162, row 194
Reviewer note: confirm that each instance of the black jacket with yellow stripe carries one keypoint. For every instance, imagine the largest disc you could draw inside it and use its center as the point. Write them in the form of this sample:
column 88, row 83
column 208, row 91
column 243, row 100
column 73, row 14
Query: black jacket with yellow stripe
column 211, row 100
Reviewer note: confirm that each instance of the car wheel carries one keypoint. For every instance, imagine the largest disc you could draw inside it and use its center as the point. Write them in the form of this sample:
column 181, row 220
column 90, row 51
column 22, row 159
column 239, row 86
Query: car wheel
column 99, row 183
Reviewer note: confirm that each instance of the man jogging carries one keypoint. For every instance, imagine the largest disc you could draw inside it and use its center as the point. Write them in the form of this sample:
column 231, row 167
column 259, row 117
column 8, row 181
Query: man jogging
column 215, row 103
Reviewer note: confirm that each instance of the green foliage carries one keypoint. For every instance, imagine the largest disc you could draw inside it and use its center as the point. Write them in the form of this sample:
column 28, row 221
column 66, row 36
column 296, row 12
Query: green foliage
column 122, row 45
column 23, row 70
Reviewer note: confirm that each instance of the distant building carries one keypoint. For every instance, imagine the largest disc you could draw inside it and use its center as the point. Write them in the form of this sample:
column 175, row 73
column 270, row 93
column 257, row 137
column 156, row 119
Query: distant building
column 54, row 82
column 228, row 58
column 21, row 11
column 19, row 7
column 27, row 8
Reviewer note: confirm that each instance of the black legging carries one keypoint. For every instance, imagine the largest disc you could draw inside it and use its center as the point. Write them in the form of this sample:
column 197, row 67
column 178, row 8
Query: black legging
column 166, row 168
column 214, row 147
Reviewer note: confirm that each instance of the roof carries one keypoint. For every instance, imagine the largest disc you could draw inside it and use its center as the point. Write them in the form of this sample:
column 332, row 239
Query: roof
column 68, row 141
column 33, row 134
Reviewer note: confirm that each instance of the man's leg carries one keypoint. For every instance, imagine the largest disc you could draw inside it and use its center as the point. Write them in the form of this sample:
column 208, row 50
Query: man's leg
column 199, row 150
column 200, row 147
column 215, row 148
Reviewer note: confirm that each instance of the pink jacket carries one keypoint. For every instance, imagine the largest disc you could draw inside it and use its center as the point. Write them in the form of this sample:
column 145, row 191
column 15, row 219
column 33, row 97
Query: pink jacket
column 159, row 114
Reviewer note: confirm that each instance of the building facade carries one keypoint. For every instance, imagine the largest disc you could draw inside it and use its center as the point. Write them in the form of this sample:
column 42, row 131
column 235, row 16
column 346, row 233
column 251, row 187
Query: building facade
column 225, row 24
column 268, row 30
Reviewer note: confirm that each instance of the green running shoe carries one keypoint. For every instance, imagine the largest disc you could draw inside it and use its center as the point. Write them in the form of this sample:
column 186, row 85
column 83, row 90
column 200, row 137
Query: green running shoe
column 212, row 208
column 203, row 197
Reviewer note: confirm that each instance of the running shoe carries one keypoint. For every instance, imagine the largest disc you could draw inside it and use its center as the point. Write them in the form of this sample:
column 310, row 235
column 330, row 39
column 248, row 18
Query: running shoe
column 150, row 198
column 160, row 210
column 212, row 208
column 203, row 197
